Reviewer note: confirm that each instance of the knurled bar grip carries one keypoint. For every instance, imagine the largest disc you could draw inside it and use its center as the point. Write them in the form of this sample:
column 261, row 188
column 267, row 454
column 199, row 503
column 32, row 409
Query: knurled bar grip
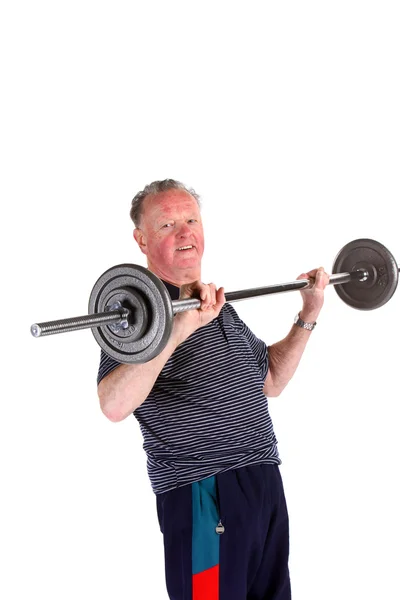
column 108, row 318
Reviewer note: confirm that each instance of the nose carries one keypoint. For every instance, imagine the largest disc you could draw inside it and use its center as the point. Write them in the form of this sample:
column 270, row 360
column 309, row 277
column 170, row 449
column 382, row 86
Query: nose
column 184, row 230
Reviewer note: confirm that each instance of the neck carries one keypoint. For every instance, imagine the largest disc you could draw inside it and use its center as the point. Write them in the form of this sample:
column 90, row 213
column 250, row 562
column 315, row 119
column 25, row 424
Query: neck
column 177, row 279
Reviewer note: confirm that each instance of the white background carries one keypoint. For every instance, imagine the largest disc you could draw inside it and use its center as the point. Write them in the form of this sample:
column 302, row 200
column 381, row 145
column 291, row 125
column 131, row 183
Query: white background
column 284, row 116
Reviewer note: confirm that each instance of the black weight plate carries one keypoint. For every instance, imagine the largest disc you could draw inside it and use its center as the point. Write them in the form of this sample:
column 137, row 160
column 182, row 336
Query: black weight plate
column 129, row 346
column 382, row 268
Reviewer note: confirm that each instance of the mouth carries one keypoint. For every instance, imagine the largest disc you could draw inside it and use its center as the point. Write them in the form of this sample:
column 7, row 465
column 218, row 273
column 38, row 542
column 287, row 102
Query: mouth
column 185, row 248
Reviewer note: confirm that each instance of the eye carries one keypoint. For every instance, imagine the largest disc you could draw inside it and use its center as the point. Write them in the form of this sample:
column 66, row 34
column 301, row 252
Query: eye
column 192, row 221
column 167, row 225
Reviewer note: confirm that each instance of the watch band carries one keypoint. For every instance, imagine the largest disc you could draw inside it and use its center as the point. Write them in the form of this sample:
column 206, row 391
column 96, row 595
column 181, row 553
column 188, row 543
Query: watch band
column 304, row 324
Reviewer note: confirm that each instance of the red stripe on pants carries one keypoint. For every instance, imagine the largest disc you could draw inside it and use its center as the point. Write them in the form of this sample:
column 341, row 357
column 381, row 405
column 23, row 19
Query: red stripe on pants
column 206, row 584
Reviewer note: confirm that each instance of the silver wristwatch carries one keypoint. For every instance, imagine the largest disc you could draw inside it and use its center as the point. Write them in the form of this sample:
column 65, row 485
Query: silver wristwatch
column 304, row 324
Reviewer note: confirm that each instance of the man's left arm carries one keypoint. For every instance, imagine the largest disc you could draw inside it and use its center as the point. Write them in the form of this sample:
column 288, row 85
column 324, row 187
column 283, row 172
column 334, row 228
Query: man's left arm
column 284, row 356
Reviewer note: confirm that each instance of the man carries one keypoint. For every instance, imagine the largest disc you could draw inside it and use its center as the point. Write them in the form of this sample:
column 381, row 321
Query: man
column 203, row 411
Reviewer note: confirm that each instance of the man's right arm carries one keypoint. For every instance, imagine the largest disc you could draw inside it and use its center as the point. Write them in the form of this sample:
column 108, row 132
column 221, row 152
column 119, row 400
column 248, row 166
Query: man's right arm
column 127, row 387
column 124, row 389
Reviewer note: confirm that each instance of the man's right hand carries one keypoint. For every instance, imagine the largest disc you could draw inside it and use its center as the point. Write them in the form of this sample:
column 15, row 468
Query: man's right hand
column 212, row 300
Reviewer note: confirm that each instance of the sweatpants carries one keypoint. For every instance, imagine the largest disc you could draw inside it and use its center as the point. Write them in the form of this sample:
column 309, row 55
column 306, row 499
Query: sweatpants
column 227, row 537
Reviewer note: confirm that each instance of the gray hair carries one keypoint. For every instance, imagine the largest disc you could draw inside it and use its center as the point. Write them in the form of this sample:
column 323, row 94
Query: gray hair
column 157, row 187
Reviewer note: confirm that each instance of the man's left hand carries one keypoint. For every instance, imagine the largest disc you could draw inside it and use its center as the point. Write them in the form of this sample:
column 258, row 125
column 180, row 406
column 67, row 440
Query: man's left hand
column 313, row 297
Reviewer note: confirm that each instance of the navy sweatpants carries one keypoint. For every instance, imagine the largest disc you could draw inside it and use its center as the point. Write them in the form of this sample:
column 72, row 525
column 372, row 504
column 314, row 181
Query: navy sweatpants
column 227, row 537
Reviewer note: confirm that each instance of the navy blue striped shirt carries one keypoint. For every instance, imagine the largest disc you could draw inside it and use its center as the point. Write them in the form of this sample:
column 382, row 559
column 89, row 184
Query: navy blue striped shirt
column 206, row 412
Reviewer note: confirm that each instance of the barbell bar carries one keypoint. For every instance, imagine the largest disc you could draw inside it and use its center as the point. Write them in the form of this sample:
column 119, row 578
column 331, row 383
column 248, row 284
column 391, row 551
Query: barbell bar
column 131, row 313
column 121, row 315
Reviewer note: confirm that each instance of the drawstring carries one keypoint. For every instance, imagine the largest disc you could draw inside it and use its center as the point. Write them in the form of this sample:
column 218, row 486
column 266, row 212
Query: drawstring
column 219, row 528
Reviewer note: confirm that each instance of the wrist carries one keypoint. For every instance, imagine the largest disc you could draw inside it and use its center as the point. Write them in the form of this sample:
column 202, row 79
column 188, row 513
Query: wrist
column 303, row 323
column 180, row 332
column 308, row 316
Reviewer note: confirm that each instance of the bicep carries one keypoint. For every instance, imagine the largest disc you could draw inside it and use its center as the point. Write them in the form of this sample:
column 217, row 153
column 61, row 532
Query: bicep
column 268, row 384
column 269, row 389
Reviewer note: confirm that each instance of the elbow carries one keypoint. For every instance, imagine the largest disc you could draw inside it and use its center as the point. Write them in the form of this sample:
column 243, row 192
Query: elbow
column 112, row 415
column 272, row 392
column 109, row 405
column 271, row 388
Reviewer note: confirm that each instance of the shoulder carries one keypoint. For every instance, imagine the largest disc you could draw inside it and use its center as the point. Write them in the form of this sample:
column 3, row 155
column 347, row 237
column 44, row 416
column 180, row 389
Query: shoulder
column 228, row 315
column 228, row 311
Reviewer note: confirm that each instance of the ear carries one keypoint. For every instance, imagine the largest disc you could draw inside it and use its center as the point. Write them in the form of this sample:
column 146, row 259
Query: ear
column 140, row 239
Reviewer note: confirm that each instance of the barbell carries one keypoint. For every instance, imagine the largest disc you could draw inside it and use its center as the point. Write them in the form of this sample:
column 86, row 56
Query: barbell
column 131, row 312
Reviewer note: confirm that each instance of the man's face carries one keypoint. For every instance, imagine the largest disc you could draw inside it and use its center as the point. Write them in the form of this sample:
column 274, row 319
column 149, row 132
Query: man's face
column 171, row 236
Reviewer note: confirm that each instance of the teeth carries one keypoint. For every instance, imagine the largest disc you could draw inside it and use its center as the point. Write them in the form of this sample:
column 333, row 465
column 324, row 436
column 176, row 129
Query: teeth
column 185, row 248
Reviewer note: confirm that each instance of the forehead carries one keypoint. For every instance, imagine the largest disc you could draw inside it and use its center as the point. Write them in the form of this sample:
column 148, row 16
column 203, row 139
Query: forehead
column 169, row 204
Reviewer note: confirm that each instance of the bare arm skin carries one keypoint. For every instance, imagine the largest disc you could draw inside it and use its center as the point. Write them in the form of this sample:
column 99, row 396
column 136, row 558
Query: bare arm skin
column 127, row 387
column 284, row 356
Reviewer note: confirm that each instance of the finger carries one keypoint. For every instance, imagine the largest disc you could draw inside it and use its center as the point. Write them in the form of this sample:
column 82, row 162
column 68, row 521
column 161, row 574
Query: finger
column 213, row 294
column 186, row 291
column 310, row 278
column 205, row 295
column 302, row 276
column 220, row 299
column 195, row 289
column 312, row 274
column 321, row 278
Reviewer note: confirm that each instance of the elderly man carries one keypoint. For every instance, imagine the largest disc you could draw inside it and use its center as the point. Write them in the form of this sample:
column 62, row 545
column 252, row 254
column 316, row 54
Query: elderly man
column 202, row 407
